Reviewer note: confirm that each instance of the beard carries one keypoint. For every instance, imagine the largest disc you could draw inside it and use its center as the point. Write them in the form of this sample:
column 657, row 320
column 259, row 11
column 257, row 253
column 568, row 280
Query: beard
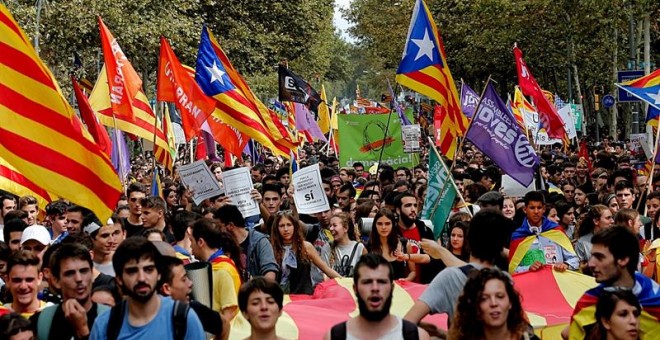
column 376, row 315
column 138, row 297
column 407, row 221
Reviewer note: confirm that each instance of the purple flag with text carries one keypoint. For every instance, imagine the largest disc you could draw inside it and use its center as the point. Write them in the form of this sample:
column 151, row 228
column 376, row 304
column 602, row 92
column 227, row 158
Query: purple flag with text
column 469, row 100
column 495, row 132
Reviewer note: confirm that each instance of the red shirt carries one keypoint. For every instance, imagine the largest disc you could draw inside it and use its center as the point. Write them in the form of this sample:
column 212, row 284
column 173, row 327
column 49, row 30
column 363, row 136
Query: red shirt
column 411, row 234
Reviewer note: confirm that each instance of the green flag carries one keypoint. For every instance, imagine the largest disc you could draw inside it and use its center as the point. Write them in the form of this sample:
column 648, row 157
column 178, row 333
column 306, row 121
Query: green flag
column 438, row 206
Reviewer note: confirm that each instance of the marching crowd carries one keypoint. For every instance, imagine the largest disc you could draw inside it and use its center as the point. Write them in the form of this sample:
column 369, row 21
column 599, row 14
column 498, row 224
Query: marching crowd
column 66, row 274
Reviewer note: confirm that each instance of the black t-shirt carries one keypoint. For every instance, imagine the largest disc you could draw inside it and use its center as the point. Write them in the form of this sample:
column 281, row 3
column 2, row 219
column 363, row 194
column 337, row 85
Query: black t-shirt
column 61, row 328
column 209, row 318
column 132, row 229
column 245, row 245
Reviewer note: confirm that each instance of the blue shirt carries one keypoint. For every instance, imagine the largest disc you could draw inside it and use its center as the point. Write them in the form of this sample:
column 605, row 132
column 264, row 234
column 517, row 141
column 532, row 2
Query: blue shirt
column 160, row 327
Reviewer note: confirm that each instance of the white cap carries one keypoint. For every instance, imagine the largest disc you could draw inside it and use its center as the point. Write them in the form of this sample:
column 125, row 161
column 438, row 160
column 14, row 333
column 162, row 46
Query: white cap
column 36, row 232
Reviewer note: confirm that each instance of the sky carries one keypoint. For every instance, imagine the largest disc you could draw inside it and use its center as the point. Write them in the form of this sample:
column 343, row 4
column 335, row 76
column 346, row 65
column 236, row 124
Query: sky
column 341, row 23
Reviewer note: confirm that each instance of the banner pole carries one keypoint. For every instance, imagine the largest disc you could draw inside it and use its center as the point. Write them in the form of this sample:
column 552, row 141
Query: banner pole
column 382, row 148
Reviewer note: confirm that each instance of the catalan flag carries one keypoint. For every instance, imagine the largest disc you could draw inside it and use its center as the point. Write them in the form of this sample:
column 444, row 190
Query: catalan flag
column 37, row 135
column 646, row 88
column 142, row 125
column 166, row 156
column 520, row 106
column 15, row 183
column 238, row 105
column 424, row 69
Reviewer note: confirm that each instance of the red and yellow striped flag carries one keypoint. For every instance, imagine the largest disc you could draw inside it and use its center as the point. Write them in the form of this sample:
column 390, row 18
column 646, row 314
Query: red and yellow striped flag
column 37, row 136
column 15, row 183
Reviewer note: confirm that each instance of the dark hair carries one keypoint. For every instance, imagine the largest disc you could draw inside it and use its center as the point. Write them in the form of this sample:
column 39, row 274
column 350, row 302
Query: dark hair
column 153, row 202
column 69, row 251
column 12, row 324
column 374, row 245
column 207, row 229
column 348, row 187
column 464, row 226
column 398, row 200
column 534, row 196
column 297, row 243
column 356, row 164
column 364, row 209
column 622, row 243
column 55, row 208
column 134, row 248
column 486, row 235
column 80, row 238
column 135, row 187
column 229, row 213
column 259, row 284
column 562, row 208
column 48, row 254
column 274, row 187
column 606, row 304
column 84, row 212
column 622, row 185
column 23, row 258
column 467, row 323
column 154, row 230
column 594, row 212
column 372, row 261
column 13, row 225
column 27, row 200
column 180, row 223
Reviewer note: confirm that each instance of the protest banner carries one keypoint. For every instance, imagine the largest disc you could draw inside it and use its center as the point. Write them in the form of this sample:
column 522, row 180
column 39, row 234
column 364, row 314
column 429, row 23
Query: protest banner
column 639, row 144
column 361, row 140
column 309, row 195
column 198, row 178
column 410, row 136
column 238, row 185
column 440, row 194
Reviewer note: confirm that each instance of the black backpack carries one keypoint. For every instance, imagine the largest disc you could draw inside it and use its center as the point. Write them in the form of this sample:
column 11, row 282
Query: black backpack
column 408, row 329
column 179, row 320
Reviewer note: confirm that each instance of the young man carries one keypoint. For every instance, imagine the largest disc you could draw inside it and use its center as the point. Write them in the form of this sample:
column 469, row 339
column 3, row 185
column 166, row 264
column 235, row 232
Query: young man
column 207, row 246
column 71, row 269
column 181, row 224
column 256, row 249
column 56, row 220
column 133, row 223
column 23, row 281
column 13, row 231
column 106, row 239
column 35, row 239
column 345, row 196
column 30, row 205
column 347, row 175
column 540, row 241
column 271, row 200
column 373, row 284
column 260, row 301
column 7, row 204
column 487, row 239
column 153, row 215
column 625, row 194
column 144, row 314
column 75, row 215
column 613, row 262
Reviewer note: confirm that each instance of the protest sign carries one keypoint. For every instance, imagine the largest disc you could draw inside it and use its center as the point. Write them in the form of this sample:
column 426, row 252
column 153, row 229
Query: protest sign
column 639, row 144
column 238, row 184
column 309, row 195
column 411, row 135
column 198, row 178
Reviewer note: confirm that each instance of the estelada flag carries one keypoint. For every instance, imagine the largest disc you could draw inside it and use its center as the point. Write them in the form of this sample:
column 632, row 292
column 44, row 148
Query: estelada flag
column 37, row 135
column 176, row 85
column 123, row 82
column 548, row 114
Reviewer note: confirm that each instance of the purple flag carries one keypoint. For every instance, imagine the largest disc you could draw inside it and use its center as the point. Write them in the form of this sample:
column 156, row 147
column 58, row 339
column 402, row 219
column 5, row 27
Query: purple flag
column 120, row 155
column 305, row 122
column 399, row 111
column 496, row 133
column 469, row 100
column 210, row 146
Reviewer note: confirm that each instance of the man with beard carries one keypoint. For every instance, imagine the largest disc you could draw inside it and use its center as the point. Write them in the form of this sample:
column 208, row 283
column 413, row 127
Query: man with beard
column 143, row 314
column 415, row 230
column 373, row 284
column 71, row 268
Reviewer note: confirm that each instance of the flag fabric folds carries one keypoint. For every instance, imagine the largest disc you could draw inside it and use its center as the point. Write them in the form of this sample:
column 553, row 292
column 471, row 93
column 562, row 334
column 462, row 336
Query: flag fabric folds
column 15, row 183
column 469, row 100
column 237, row 105
column 124, row 83
column 548, row 115
column 97, row 131
column 646, row 88
column 156, row 188
column 324, row 112
column 121, row 156
column 495, row 132
column 440, row 194
column 424, row 69
column 293, row 88
column 523, row 238
column 176, row 85
column 37, row 134
column 305, row 122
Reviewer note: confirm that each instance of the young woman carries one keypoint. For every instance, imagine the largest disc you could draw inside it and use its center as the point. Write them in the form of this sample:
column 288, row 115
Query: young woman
column 457, row 245
column 566, row 217
column 629, row 218
column 617, row 314
column 509, row 208
column 609, row 201
column 598, row 217
column 385, row 241
column 551, row 212
column 652, row 231
column 489, row 309
column 580, row 200
column 346, row 251
column 295, row 256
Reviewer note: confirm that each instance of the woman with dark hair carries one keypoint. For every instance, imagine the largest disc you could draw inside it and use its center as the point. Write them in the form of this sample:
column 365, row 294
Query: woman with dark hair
column 457, row 244
column 15, row 327
column 171, row 198
column 295, row 256
column 384, row 240
column 489, row 309
column 566, row 215
column 617, row 315
column 598, row 217
column 367, row 209
column 551, row 212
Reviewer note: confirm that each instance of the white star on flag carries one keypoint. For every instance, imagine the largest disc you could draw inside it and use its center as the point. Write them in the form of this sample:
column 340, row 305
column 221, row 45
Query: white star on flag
column 655, row 97
column 216, row 73
column 425, row 46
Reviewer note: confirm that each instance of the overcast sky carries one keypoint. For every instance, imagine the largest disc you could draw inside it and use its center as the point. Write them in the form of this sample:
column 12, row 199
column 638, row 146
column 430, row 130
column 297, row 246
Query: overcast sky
column 340, row 22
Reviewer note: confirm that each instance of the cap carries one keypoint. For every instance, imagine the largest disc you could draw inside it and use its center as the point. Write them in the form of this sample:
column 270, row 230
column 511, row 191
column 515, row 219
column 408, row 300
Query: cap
column 491, row 198
column 36, row 232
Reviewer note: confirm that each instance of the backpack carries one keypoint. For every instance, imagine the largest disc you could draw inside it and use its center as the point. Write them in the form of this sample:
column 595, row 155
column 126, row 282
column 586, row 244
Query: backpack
column 45, row 321
column 179, row 320
column 343, row 266
column 408, row 329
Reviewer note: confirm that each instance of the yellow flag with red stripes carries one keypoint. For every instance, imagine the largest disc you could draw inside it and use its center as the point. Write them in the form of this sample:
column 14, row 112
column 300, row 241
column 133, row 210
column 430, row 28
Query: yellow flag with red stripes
column 15, row 183
column 37, row 135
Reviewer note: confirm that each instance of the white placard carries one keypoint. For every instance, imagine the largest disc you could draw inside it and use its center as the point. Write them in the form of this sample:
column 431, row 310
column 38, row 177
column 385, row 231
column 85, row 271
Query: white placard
column 639, row 143
column 411, row 135
column 512, row 188
column 198, row 178
column 309, row 195
column 238, row 184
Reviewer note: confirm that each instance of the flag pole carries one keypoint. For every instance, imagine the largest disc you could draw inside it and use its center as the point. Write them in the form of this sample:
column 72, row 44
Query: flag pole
column 382, row 148
column 649, row 178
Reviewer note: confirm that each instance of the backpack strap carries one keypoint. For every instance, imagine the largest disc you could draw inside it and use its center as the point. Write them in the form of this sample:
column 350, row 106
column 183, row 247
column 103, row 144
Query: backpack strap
column 350, row 259
column 45, row 321
column 409, row 330
column 180, row 319
column 115, row 321
column 338, row 331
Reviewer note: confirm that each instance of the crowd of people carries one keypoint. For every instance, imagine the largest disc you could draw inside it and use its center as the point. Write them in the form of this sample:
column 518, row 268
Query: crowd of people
column 66, row 274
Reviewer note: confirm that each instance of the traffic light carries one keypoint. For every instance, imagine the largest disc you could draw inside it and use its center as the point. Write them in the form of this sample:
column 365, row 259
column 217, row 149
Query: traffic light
column 596, row 101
